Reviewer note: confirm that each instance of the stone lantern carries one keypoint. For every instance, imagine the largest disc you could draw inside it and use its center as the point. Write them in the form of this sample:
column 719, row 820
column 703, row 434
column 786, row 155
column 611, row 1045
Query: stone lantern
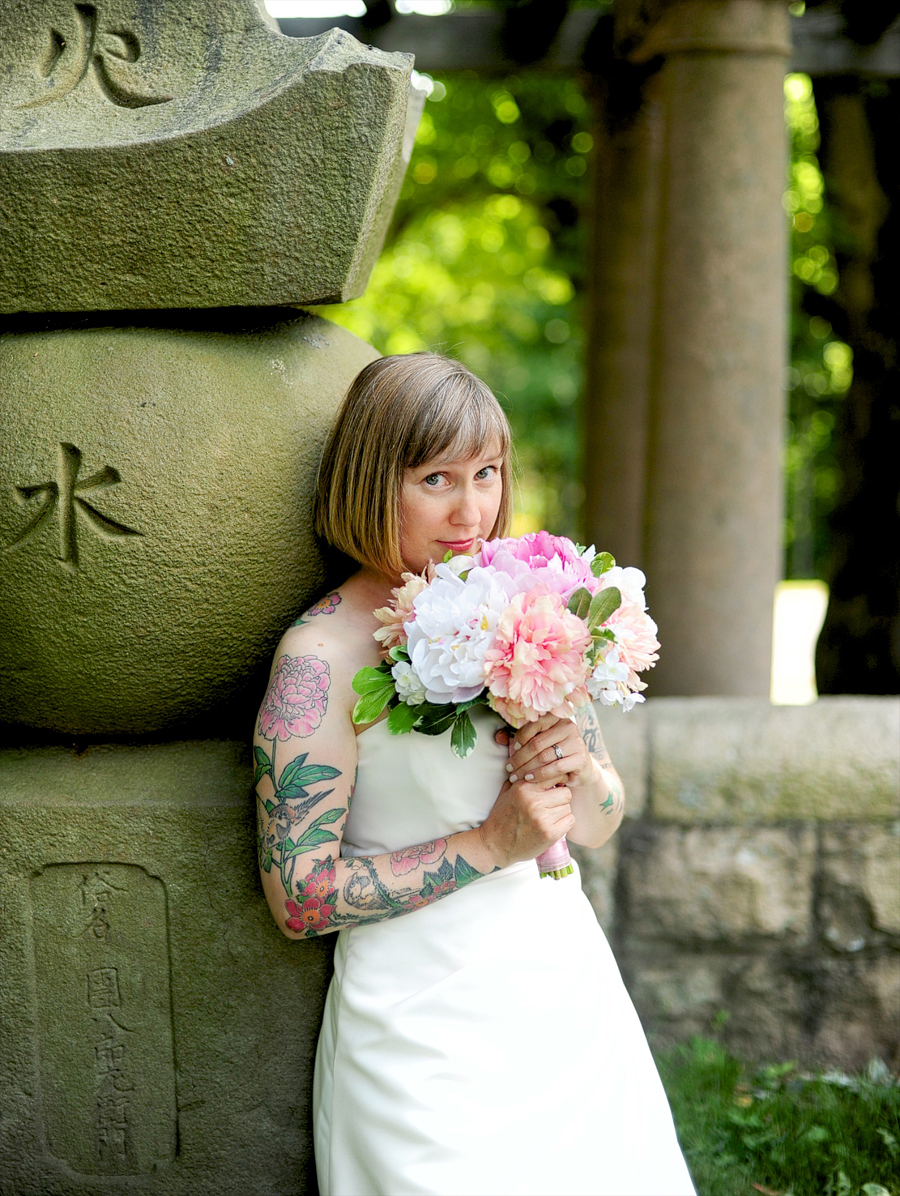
column 175, row 179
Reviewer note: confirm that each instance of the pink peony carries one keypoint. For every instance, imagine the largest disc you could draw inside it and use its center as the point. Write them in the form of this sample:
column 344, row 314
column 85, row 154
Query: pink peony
column 411, row 857
column 400, row 609
column 636, row 640
column 537, row 663
column 297, row 698
column 539, row 558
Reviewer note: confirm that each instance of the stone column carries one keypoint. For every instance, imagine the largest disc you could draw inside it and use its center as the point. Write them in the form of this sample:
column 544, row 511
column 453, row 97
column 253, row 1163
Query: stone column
column 622, row 280
column 174, row 179
column 712, row 512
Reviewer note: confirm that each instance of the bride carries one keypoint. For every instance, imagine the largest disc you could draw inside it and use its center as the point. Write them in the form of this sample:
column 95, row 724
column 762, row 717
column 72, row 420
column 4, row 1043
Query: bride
column 476, row 1037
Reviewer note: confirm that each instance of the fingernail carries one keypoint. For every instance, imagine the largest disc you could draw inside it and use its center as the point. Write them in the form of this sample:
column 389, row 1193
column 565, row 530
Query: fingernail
column 529, row 776
column 509, row 768
column 515, row 745
column 513, row 777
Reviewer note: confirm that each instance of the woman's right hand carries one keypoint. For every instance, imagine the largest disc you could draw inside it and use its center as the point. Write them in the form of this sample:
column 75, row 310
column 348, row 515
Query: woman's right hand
column 527, row 818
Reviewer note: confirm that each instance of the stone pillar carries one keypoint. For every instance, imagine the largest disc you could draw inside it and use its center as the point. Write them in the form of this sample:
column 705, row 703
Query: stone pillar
column 712, row 511
column 622, row 281
column 174, row 179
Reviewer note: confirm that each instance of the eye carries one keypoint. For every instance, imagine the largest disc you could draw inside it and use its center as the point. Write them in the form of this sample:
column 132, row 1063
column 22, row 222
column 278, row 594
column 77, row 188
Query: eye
column 433, row 479
column 487, row 472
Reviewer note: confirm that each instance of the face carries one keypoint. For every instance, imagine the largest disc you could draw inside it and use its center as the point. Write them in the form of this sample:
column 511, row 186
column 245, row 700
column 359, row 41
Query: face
column 449, row 504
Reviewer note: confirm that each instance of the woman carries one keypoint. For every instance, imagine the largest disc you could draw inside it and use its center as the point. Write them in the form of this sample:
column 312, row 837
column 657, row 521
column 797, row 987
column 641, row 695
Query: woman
column 476, row 1037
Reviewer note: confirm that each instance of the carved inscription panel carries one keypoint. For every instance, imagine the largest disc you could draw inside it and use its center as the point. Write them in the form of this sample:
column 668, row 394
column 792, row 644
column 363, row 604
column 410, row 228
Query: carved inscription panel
column 102, row 984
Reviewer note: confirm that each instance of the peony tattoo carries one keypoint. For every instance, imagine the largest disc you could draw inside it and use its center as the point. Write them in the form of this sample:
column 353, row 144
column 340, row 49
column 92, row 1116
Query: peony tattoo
column 297, row 698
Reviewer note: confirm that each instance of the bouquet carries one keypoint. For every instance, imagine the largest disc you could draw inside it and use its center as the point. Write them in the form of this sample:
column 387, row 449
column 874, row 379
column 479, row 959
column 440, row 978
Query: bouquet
column 526, row 626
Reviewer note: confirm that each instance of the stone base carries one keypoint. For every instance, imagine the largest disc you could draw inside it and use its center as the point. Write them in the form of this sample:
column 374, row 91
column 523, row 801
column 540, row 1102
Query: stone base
column 157, row 1032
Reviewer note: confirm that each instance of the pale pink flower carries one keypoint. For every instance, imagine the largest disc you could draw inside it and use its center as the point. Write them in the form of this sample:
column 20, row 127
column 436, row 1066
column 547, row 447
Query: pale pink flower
column 536, row 664
column 296, row 699
column 411, row 857
column 400, row 609
column 635, row 634
column 538, row 558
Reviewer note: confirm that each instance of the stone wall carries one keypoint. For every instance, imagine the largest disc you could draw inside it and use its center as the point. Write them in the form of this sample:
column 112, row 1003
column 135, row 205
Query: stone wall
column 758, row 874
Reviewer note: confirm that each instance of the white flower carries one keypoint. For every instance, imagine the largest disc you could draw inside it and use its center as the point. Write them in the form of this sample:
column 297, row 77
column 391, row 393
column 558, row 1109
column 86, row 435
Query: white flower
column 407, row 684
column 608, row 683
column 459, row 564
column 454, row 626
column 629, row 582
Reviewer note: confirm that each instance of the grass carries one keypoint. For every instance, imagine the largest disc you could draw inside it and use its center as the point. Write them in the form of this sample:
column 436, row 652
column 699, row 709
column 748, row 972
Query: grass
column 777, row 1131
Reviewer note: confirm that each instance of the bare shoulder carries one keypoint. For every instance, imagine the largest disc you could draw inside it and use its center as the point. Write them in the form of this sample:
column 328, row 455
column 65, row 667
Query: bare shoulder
column 331, row 639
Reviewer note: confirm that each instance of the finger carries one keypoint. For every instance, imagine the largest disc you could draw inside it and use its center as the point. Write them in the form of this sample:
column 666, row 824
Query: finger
column 558, row 732
column 528, row 731
column 503, row 737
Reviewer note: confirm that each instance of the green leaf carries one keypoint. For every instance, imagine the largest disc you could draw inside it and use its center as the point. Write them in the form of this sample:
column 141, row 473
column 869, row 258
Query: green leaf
column 448, row 555
column 398, row 652
column 435, row 719
column 328, row 816
column 270, row 806
column 368, row 708
column 602, row 563
column 464, row 872
column 444, row 873
column 463, row 738
column 369, row 680
column 309, row 774
column 580, row 602
column 311, row 838
column 263, row 764
column 290, row 770
column 603, row 605
column 403, row 718
column 266, row 863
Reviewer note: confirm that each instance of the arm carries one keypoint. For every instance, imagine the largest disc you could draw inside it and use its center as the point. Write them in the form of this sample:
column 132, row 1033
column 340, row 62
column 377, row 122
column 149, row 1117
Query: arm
column 305, row 754
column 598, row 796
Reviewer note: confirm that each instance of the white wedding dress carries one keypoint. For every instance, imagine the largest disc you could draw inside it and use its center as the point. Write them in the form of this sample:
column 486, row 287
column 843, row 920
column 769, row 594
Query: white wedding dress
column 483, row 1045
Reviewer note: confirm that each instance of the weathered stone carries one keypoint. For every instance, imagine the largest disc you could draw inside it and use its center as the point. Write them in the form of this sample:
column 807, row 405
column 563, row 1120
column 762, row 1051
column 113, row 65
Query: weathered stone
column 182, row 154
column 718, row 884
column 769, row 1005
column 155, row 1024
column 625, row 736
column 155, row 489
column 860, row 900
column 735, row 760
column 716, row 399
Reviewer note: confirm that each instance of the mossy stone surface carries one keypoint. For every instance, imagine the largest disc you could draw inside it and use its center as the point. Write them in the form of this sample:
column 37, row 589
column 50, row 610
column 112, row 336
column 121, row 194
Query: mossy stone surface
column 158, row 1032
column 155, row 503
column 186, row 154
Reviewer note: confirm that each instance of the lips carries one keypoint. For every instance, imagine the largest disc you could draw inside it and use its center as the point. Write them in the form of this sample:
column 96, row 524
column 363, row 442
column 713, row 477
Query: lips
column 458, row 546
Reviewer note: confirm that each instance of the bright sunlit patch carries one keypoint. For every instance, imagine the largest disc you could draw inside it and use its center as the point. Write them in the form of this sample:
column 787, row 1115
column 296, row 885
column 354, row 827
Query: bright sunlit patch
column 425, row 8
column 799, row 614
column 315, row 8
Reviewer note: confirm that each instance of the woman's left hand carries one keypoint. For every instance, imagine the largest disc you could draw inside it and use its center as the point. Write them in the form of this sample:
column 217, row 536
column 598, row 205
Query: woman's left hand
column 549, row 749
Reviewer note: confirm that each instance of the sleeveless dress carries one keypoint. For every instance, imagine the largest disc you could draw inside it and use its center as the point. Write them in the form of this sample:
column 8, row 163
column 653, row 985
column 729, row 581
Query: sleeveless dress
column 483, row 1045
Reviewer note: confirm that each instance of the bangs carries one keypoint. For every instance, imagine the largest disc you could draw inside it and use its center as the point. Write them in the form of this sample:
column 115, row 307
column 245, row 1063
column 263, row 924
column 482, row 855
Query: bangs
column 460, row 419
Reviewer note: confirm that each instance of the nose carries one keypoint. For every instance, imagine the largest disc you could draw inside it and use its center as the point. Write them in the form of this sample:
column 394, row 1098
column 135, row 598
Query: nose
column 466, row 512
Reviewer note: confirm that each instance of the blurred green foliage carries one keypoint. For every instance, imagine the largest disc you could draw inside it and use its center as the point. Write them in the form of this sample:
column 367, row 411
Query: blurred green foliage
column 486, row 261
column 821, row 366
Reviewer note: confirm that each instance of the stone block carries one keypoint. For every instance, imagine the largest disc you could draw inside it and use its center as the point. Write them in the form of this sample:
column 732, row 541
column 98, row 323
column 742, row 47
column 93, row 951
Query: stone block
column 860, row 885
column 740, row 760
column 722, row 885
column 186, row 154
column 157, row 1031
column 625, row 736
column 155, row 499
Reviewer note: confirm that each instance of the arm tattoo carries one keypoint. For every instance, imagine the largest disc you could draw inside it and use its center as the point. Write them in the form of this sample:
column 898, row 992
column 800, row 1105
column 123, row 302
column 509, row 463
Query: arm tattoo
column 590, row 733
column 325, row 606
column 365, row 897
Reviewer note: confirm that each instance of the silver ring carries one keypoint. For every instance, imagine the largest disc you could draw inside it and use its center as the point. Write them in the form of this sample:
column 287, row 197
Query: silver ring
column 558, row 751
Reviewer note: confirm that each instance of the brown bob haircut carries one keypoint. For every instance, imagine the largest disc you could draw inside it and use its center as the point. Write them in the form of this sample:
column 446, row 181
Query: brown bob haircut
column 401, row 412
